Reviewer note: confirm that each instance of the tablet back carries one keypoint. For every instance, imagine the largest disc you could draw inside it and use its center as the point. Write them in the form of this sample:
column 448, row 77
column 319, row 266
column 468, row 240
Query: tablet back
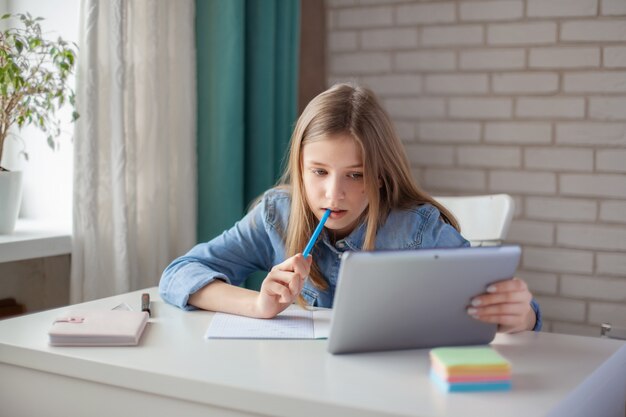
column 414, row 299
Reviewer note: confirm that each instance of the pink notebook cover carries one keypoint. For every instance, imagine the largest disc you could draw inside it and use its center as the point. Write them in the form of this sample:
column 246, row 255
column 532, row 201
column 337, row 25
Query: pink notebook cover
column 98, row 328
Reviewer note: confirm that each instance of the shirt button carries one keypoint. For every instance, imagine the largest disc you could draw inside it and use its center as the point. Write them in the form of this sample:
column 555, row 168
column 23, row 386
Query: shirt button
column 341, row 244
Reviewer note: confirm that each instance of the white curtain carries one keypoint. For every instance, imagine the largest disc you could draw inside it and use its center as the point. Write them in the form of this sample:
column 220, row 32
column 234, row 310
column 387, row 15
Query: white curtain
column 135, row 159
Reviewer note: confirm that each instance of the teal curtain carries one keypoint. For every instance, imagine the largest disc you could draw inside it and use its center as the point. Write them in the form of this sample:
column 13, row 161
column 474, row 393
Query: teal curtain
column 247, row 66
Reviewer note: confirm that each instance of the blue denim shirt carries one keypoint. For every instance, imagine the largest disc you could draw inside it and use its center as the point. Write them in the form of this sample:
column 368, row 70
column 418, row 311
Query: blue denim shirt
column 256, row 243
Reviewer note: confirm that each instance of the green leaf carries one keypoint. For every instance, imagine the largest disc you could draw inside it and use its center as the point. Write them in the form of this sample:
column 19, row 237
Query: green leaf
column 33, row 43
column 34, row 75
column 70, row 57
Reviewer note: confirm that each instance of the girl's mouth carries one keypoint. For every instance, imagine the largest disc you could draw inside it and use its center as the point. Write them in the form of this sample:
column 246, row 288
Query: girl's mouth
column 337, row 214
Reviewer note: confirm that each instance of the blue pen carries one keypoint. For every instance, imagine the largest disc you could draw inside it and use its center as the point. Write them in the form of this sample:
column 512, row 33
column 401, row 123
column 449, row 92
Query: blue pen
column 316, row 233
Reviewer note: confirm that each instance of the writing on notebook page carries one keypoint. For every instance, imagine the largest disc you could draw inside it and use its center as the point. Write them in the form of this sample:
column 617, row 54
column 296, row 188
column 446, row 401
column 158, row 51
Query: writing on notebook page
column 293, row 323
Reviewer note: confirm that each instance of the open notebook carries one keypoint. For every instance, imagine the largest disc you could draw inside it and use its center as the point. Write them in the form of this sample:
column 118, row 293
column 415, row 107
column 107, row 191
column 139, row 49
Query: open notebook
column 293, row 323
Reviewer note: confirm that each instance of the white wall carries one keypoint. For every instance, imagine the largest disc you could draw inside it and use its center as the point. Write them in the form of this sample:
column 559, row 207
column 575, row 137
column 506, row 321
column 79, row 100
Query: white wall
column 526, row 97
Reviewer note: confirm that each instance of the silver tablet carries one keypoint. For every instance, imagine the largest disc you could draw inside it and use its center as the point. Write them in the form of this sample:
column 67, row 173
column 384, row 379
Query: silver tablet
column 414, row 299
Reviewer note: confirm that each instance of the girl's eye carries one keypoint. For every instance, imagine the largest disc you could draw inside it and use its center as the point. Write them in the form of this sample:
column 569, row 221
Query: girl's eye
column 318, row 172
column 356, row 175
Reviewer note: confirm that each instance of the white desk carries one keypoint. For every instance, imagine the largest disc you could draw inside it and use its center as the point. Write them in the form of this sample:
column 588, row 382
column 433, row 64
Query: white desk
column 176, row 372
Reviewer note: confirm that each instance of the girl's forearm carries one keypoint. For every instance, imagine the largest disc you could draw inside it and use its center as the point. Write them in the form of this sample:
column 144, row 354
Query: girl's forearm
column 225, row 298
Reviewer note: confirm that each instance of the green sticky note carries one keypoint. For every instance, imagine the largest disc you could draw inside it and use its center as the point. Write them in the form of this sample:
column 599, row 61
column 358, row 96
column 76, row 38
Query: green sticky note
column 468, row 355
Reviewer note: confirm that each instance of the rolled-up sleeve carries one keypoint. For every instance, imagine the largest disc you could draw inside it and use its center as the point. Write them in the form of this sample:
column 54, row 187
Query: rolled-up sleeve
column 231, row 257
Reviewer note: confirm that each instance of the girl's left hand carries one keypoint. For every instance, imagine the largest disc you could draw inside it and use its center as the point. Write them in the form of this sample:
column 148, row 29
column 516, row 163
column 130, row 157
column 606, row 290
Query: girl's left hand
column 506, row 303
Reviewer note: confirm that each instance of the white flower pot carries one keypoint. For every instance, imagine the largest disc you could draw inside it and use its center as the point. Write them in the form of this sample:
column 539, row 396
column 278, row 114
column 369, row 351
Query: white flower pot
column 10, row 199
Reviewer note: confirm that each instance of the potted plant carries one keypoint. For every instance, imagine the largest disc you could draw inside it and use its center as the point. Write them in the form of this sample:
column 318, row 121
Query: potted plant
column 34, row 74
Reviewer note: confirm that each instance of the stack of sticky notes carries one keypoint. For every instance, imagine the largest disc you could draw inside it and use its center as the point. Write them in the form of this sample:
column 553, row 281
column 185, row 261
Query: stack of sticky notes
column 469, row 368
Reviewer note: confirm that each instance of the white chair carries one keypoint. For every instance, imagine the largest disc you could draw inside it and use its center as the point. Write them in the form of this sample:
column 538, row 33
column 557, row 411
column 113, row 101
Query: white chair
column 484, row 219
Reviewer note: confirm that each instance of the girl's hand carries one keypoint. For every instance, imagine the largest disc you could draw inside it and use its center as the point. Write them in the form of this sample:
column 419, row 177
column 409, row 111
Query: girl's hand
column 506, row 303
column 282, row 285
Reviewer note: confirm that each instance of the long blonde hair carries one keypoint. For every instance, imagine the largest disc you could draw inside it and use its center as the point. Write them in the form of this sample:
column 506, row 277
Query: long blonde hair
column 347, row 109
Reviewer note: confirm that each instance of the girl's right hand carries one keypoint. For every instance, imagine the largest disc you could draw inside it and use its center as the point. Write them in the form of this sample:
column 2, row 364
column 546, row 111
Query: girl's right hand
column 282, row 285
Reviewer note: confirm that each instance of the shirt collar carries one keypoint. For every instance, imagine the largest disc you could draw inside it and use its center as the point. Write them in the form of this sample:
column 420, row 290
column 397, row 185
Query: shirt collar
column 354, row 241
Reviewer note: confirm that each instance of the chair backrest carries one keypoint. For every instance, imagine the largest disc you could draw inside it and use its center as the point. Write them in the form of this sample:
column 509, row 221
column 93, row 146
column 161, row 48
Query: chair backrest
column 484, row 219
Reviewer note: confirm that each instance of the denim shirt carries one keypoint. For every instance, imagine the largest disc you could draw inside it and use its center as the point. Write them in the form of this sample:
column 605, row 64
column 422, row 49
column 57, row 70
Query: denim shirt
column 256, row 243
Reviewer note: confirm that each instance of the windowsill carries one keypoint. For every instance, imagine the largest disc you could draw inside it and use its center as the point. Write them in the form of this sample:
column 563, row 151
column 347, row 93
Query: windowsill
column 35, row 239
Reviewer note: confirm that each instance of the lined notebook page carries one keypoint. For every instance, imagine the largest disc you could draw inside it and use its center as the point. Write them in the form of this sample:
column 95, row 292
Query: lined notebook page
column 293, row 323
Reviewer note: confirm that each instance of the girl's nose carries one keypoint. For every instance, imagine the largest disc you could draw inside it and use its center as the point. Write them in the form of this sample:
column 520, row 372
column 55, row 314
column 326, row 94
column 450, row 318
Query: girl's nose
column 334, row 189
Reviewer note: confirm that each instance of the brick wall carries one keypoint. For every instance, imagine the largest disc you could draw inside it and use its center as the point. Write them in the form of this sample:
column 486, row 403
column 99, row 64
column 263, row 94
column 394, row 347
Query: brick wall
column 526, row 97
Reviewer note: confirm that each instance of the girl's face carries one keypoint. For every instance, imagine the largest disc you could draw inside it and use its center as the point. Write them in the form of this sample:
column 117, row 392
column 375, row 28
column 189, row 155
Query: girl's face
column 333, row 179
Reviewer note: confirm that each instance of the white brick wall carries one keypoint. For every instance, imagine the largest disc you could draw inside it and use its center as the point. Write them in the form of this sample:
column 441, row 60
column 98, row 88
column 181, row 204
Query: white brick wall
column 425, row 61
column 613, row 186
column 611, row 264
column 591, row 134
column 452, row 35
column 570, row 57
column 550, row 108
column 385, row 85
column 457, row 84
column 593, row 30
column 365, row 17
column 540, row 282
column 614, row 313
column 595, row 82
column 615, row 56
column 520, row 133
column 522, row 33
column 522, row 182
column 613, row 211
column 491, row 10
column 562, row 308
column 489, row 156
column 612, row 160
column 440, row 12
column 564, row 159
column 561, row 8
column 607, row 108
column 480, row 108
column 557, row 260
column 593, row 287
column 526, row 97
column 385, row 38
column 492, row 59
column 453, row 132
column 532, row 233
column 558, row 208
column 528, row 83
column 613, row 7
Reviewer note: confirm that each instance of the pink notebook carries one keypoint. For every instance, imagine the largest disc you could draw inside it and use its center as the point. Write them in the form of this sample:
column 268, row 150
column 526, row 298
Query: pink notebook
column 98, row 328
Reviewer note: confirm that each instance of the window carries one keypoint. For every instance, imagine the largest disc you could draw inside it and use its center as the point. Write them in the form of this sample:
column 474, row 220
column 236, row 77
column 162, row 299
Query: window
column 47, row 180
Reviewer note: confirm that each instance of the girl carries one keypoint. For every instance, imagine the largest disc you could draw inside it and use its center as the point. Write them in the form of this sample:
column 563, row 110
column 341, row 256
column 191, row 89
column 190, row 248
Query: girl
column 344, row 156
